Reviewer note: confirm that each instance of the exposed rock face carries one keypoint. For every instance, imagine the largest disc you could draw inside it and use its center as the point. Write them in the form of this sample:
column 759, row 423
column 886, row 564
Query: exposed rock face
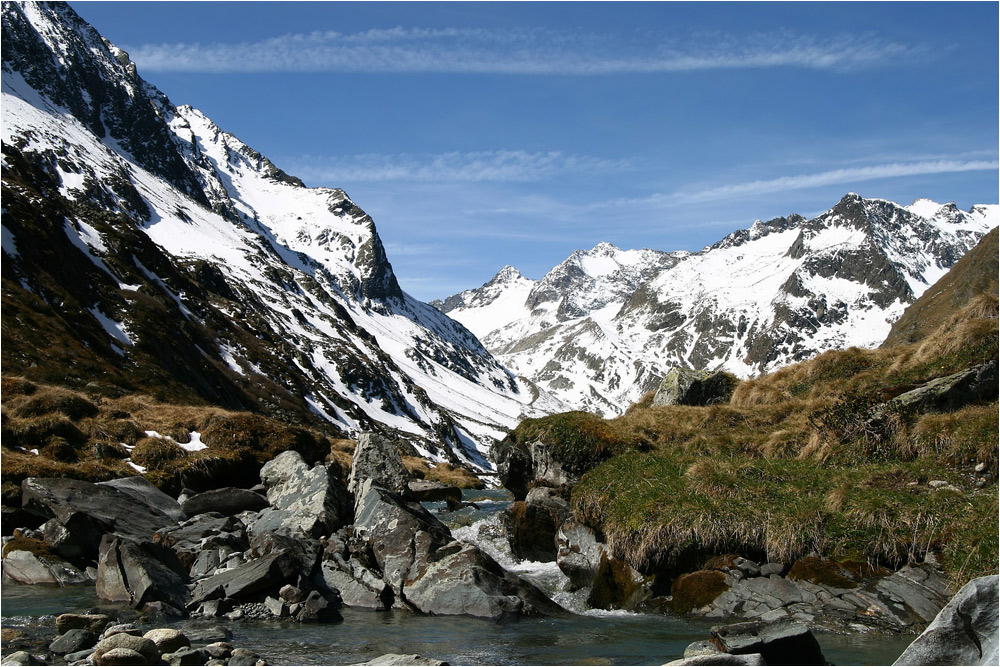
column 953, row 392
column 779, row 643
column 522, row 466
column 964, row 632
column 26, row 567
column 377, row 458
column 227, row 501
column 140, row 573
column 88, row 511
column 617, row 585
column 428, row 492
column 579, row 553
column 688, row 387
column 305, row 501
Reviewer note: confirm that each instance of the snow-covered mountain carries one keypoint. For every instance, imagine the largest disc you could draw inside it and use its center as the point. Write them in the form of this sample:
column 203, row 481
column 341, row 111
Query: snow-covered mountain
column 146, row 249
column 605, row 325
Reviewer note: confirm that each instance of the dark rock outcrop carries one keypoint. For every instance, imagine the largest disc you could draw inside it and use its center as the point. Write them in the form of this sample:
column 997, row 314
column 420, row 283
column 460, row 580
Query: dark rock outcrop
column 532, row 524
column 781, row 643
column 682, row 386
column 139, row 574
column 227, row 501
column 305, row 502
column 579, row 553
column 377, row 458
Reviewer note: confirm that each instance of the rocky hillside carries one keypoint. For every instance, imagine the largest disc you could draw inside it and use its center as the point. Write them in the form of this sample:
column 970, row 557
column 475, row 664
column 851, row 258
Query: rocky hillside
column 846, row 491
column 603, row 327
column 147, row 250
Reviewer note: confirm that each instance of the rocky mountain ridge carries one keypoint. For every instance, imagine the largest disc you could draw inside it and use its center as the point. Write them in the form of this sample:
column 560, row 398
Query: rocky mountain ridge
column 145, row 249
column 777, row 292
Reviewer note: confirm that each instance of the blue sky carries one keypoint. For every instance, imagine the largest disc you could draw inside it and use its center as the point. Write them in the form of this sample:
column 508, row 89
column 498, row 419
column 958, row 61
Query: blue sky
column 484, row 134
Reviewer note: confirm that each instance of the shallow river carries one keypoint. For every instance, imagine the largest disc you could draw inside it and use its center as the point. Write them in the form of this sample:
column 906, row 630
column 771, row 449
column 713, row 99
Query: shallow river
column 590, row 638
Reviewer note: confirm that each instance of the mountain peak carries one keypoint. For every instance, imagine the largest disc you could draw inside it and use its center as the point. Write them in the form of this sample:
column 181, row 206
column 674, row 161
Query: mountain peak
column 505, row 275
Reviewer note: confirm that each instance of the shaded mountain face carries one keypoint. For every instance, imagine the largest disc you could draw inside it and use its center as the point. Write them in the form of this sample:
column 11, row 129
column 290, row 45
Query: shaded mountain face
column 781, row 291
column 974, row 275
column 146, row 249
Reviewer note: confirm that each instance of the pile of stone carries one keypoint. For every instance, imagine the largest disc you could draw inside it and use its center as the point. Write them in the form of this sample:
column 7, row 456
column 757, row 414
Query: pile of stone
column 298, row 546
column 93, row 639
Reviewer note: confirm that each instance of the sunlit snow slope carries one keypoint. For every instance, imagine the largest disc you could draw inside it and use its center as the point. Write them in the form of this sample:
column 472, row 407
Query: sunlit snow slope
column 603, row 327
column 282, row 296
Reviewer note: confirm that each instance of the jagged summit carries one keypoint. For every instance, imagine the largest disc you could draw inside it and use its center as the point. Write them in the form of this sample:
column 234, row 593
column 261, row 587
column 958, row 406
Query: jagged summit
column 603, row 326
column 159, row 253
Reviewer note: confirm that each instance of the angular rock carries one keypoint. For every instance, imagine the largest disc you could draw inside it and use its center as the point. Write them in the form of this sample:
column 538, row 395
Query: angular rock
column 305, row 502
column 71, row 641
column 318, row 609
column 19, row 658
column 522, row 466
column 187, row 656
column 25, row 567
column 147, row 495
column 954, row 391
column 779, row 643
column 579, row 553
column 965, row 630
column 191, row 538
column 358, row 586
column 532, row 524
column 683, row 386
column 264, row 574
column 89, row 511
column 140, row 574
column 377, row 458
column 227, row 501
column 617, row 586
column 429, row 492
column 922, row 589
column 461, row 579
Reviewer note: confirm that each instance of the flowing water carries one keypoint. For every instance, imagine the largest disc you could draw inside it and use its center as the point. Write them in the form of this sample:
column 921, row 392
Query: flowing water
column 592, row 637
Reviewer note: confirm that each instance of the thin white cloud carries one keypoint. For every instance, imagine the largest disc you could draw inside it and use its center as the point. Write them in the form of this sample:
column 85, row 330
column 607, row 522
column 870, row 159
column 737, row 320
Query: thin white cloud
column 525, row 51
column 476, row 166
column 804, row 181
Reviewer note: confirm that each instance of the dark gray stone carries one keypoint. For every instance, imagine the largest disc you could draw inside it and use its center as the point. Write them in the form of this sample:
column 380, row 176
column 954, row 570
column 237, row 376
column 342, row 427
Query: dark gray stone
column 71, row 641
column 377, row 458
column 264, row 574
column 89, row 511
column 532, row 524
column 683, row 386
column 227, row 501
column 187, row 656
column 954, row 391
column 143, row 491
column 428, row 492
column 780, row 643
column 579, row 553
column 140, row 574
column 25, row 567
column 964, row 632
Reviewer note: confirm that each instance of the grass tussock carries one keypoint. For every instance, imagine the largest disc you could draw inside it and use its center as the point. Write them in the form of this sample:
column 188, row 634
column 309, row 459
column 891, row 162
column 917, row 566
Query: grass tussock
column 813, row 458
column 89, row 437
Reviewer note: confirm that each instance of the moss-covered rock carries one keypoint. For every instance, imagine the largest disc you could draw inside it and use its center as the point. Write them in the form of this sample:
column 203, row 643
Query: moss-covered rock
column 697, row 589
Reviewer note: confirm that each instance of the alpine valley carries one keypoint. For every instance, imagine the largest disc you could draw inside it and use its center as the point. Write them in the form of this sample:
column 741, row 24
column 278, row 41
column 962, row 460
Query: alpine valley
column 146, row 249
column 604, row 327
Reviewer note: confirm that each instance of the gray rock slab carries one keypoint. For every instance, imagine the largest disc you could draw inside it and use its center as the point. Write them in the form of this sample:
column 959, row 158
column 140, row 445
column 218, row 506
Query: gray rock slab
column 226, row 501
column 377, row 458
column 964, row 632
column 143, row 491
column 780, row 642
column 400, row 659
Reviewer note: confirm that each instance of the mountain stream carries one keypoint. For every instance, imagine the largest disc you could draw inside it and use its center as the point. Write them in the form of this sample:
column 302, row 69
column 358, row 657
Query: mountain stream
column 591, row 637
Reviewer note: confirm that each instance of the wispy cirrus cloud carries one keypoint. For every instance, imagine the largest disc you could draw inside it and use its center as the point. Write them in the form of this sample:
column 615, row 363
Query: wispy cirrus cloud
column 525, row 51
column 475, row 166
column 845, row 176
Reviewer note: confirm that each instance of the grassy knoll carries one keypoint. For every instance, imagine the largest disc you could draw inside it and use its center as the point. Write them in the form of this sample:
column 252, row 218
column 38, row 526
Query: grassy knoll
column 809, row 459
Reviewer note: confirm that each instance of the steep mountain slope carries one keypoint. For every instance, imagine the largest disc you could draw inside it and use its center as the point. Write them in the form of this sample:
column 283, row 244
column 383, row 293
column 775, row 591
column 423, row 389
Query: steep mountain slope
column 147, row 249
column 972, row 276
column 778, row 292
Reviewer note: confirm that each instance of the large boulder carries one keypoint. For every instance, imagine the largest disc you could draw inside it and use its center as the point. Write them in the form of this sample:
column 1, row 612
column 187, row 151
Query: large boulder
column 305, row 502
column 227, row 501
column 377, row 458
column 462, row 579
column 683, row 386
column 965, row 630
column 617, row 585
column 139, row 574
column 524, row 465
column 26, row 567
column 143, row 491
column 779, row 643
column 579, row 553
column 954, row 391
column 89, row 511
column 253, row 579
column 426, row 491
column 532, row 524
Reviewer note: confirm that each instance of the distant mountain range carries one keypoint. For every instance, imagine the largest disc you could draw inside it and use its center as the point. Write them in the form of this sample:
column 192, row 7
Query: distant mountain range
column 147, row 250
column 604, row 326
